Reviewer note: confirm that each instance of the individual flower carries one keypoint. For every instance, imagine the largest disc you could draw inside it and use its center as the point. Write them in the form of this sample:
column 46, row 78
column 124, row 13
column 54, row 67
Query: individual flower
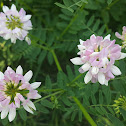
column 16, row 91
column 122, row 37
column 97, row 57
column 15, row 25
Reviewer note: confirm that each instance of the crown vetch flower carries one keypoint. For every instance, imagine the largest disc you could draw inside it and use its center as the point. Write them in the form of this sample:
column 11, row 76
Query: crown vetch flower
column 122, row 37
column 97, row 56
column 14, row 25
column 16, row 91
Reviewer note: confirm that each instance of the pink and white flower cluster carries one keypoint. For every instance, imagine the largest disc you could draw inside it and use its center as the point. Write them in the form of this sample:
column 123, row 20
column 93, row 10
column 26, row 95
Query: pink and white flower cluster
column 15, row 25
column 122, row 37
column 97, row 56
column 16, row 91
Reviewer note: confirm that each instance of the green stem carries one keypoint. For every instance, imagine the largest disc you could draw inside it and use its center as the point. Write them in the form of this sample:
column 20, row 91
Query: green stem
column 53, row 53
column 101, row 105
column 71, row 22
column 48, row 90
column 85, row 113
column 75, row 4
column 58, row 92
column 114, row 2
column 120, row 77
column 40, row 46
column 76, row 78
column 56, row 60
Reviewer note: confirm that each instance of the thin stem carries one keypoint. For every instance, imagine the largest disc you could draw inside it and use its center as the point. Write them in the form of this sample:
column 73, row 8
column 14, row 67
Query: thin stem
column 38, row 39
column 75, row 4
column 71, row 22
column 40, row 46
column 58, row 92
column 53, row 53
column 48, row 49
column 85, row 113
column 48, row 90
column 56, row 60
column 90, row 29
column 114, row 2
column 120, row 77
column 101, row 105
column 76, row 78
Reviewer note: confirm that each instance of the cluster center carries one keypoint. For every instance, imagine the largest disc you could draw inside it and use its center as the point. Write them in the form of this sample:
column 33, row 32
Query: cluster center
column 13, row 22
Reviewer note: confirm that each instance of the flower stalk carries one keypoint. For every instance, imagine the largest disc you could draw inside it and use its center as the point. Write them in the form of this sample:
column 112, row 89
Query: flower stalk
column 85, row 113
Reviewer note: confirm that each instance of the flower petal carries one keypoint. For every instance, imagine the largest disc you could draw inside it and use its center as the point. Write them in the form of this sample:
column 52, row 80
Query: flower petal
column 20, row 97
column 106, row 82
column 31, row 105
column 101, row 78
column 1, row 76
column 94, row 70
column 115, row 70
column 94, row 53
column 17, row 102
column 7, row 36
column 9, row 68
column 28, row 40
column 13, row 39
column 28, row 75
column 80, row 47
column 35, row 85
column 107, row 37
column 118, row 35
column 19, row 70
column 13, row 7
column 87, row 77
column 5, row 9
column 76, row 61
column 26, row 18
column 12, row 114
column 123, row 55
column 86, row 66
column 37, row 96
column 81, row 42
column 4, row 112
column 27, row 109
column 92, row 36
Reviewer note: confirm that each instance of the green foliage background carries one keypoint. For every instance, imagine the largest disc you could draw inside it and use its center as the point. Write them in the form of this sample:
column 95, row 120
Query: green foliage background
column 57, row 27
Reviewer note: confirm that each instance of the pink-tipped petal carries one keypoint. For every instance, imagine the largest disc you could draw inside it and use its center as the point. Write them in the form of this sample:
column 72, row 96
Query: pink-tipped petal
column 118, row 35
